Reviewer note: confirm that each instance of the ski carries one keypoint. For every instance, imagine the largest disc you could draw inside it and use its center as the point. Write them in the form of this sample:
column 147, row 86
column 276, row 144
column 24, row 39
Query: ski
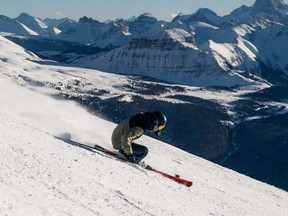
column 175, row 178
column 114, row 154
column 109, row 152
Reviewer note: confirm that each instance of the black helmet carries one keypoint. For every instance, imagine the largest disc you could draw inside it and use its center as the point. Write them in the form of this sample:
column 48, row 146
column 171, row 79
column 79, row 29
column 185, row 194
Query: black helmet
column 160, row 119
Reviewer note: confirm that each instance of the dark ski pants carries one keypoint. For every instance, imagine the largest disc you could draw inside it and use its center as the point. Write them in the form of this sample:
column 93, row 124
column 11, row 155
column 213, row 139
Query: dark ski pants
column 139, row 151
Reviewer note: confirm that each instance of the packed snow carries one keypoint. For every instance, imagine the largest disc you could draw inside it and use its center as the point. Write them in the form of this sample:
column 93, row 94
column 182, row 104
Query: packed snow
column 43, row 175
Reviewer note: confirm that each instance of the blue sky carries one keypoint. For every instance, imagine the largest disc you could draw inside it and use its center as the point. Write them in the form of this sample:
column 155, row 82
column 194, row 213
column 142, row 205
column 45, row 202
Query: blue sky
column 111, row 9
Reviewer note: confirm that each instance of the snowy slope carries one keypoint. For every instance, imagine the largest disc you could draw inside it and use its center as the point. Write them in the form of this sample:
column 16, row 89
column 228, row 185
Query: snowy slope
column 41, row 175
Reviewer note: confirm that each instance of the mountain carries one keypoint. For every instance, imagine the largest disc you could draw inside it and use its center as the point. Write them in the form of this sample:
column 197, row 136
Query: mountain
column 109, row 34
column 235, row 43
column 33, row 23
column 83, row 31
column 231, row 45
column 267, row 20
column 12, row 26
column 274, row 10
column 26, row 25
column 172, row 56
column 61, row 24
column 272, row 7
column 43, row 175
column 144, row 25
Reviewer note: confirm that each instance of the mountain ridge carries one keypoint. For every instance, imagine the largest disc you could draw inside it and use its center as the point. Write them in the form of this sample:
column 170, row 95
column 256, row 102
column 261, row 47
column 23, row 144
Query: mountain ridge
column 237, row 42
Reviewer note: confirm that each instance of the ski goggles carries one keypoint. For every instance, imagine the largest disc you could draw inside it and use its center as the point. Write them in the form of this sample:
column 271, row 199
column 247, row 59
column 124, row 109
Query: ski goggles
column 160, row 126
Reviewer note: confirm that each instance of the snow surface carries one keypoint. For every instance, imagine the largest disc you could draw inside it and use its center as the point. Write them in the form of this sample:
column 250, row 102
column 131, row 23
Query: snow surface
column 42, row 175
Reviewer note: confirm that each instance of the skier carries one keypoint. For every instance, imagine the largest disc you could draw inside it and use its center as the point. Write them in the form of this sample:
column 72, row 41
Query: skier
column 133, row 128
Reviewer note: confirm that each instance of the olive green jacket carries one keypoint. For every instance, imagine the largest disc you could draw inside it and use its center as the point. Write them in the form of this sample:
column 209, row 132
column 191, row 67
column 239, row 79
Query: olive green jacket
column 123, row 136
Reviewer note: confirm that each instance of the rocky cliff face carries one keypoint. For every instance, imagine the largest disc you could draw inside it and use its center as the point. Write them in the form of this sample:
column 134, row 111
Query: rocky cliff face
column 172, row 55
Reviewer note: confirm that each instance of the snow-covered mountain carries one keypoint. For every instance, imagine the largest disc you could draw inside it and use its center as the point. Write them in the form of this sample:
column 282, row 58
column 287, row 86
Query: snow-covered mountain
column 109, row 34
column 84, row 31
column 202, row 15
column 12, row 26
column 275, row 10
column 42, row 175
column 171, row 56
column 62, row 24
column 34, row 23
column 249, row 40
column 37, row 25
column 232, row 43
column 27, row 25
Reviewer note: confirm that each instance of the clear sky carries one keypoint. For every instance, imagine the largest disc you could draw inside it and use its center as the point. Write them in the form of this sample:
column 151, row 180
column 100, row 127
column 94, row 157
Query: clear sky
column 111, row 9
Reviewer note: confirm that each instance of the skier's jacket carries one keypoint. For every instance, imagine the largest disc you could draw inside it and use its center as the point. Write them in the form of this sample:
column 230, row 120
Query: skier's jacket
column 131, row 129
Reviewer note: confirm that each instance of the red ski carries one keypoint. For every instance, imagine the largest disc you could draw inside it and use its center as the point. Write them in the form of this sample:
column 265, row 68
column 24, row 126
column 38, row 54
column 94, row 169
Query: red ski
column 114, row 154
column 175, row 178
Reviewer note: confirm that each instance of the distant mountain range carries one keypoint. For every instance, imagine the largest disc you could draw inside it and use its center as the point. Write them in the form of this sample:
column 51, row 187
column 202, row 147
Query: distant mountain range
column 201, row 49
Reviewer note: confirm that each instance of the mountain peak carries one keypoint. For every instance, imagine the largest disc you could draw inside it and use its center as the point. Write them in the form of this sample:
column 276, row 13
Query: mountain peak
column 24, row 16
column 205, row 11
column 268, row 6
column 87, row 20
column 35, row 24
column 146, row 17
column 201, row 15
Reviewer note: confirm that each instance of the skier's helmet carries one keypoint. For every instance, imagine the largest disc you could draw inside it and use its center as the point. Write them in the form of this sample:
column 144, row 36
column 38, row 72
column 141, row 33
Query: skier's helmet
column 160, row 119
